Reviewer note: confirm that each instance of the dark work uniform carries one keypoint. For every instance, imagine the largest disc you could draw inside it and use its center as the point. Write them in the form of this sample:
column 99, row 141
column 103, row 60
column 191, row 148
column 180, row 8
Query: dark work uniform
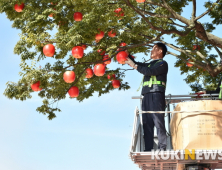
column 217, row 90
column 154, row 100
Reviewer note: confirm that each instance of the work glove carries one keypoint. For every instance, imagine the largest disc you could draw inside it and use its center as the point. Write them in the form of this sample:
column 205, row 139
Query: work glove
column 130, row 62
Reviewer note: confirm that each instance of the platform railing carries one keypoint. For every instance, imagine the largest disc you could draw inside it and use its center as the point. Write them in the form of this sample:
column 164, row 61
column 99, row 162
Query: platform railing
column 137, row 143
column 144, row 159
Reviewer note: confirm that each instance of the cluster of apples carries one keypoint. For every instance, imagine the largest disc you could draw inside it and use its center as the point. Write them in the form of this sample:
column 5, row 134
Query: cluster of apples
column 78, row 52
column 99, row 69
column 77, row 15
column 196, row 47
column 115, row 82
column 69, row 77
column 100, row 35
column 119, row 13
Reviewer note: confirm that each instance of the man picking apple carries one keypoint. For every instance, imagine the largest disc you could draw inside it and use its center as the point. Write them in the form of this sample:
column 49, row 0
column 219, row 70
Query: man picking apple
column 153, row 92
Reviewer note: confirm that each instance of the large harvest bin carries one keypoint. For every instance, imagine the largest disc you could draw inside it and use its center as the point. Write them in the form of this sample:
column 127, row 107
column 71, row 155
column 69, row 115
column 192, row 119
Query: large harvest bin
column 197, row 130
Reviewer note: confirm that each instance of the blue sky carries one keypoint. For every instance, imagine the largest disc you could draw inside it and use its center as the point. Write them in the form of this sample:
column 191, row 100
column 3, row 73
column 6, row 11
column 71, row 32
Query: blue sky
column 92, row 135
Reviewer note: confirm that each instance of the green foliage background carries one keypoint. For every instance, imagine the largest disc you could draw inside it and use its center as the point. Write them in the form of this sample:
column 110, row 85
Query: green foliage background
column 142, row 25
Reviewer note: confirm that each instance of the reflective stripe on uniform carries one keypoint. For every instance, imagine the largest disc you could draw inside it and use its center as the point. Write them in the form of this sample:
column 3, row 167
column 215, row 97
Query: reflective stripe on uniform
column 152, row 80
column 149, row 83
column 220, row 94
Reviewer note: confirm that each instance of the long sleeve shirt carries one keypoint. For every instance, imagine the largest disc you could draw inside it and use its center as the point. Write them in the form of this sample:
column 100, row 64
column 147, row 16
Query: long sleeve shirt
column 158, row 68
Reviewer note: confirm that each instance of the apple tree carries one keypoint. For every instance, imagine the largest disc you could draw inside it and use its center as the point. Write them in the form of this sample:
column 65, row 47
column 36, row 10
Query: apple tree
column 62, row 30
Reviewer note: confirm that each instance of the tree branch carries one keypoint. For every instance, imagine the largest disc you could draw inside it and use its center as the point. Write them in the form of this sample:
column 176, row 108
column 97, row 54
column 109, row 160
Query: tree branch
column 154, row 3
column 193, row 16
column 219, row 52
column 158, row 28
column 176, row 16
column 173, row 23
column 157, row 15
column 206, row 11
column 187, row 52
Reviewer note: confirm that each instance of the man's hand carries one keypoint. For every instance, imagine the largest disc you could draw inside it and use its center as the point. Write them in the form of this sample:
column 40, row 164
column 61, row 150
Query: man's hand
column 130, row 62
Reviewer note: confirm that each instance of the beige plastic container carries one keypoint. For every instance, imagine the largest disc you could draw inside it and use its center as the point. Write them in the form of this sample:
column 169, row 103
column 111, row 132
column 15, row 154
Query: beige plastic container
column 197, row 130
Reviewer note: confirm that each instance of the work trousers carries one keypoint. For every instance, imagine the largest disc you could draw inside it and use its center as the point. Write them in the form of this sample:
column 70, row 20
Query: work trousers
column 154, row 102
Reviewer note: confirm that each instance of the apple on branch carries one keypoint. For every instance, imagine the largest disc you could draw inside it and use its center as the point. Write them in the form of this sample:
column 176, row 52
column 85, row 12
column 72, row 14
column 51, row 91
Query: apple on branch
column 188, row 64
column 122, row 44
column 69, row 76
column 36, row 86
column 77, row 16
column 106, row 57
column 77, row 52
column 140, row 1
column 113, row 76
column 89, row 73
column 101, row 52
column 121, row 57
column 84, row 46
column 111, row 33
column 116, row 83
column 118, row 10
column 73, row 91
column 99, row 69
column 49, row 50
column 19, row 8
column 99, row 36
column 196, row 47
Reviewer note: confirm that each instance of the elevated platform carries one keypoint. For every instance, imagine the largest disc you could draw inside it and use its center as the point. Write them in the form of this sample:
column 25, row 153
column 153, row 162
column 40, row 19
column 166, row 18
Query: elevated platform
column 170, row 159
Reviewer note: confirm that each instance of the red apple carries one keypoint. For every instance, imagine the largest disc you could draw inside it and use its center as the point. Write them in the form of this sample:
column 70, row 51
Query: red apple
column 101, row 52
column 188, row 64
column 77, row 52
column 111, row 33
column 89, row 73
column 19, row 8
column 84, row 46
column 49, row 50
column 196, row 47
column 99, row 69
column 106, row 57
column 113, row 76
column 61, row 23
column 69, row 76
column 122, row 44
column 116, row 83
column 53, row 3
column 77, row 16
column 73, row 91
column 140, row 1
column 36, row 86
column 100, row 35
column 51, row 15
column 121, row 57
column 118, row 10
column 122, row 14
